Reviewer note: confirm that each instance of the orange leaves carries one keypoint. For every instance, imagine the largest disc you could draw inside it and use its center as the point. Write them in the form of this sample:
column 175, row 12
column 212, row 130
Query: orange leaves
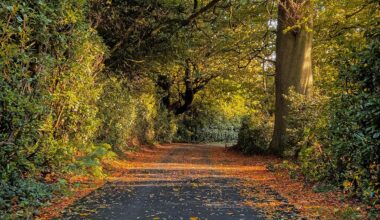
column 309, row 203
column 273, row 192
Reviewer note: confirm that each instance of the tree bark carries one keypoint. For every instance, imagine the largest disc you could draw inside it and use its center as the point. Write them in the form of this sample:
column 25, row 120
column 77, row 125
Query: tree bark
column 188, row 96
column 293, row 63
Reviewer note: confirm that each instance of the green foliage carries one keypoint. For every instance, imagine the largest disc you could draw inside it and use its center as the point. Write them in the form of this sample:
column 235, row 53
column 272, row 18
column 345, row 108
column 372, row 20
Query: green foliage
column 315, row 162
column 49, row 59
column 255, row 134
column 48, row 101
column 146, row 111
column 291, row 167
column 116, row 113
column 130, row 117
column 307, row 120
column 323, row 187
column 337, row 139
column 165, row 126
column 24, row 197
column 307, row 134
column 90, row 163
column 355, row 127
column 58, row 105
column 348, row 213
column 206, row 123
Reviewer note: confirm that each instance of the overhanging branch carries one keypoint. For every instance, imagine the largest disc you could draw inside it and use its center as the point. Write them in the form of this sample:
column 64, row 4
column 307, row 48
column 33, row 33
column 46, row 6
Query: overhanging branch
column 202, row 10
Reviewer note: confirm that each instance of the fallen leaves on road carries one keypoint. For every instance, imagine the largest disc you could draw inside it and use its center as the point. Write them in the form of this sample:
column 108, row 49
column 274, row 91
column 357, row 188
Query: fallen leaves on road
column 279, row 184
column 275, row 192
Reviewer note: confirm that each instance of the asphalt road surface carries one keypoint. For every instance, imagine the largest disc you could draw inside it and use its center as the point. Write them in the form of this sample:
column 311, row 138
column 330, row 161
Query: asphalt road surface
column 178, row 186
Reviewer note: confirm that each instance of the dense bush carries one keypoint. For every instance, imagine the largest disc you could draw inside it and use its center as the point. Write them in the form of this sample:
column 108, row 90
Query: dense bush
column 117, row 113
column 114, row 103
column 307, row 121
column 57, row 107
column 131, row 117
column 90, row 162
column 165, row 126
column 146, row 112
column 48, row 98
column 338, row 139
column 307, row 134
column 22, row 197
column 49, row 59
column 205, row 123
column 255, row 134
column 355, row 125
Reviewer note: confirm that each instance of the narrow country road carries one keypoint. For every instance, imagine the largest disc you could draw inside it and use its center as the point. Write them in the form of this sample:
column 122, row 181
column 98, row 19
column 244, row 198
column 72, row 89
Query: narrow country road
column 182, row 183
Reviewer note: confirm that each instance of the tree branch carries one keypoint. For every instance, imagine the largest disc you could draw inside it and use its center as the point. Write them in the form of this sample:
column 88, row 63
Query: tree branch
column 195, row 5
column 202, row 10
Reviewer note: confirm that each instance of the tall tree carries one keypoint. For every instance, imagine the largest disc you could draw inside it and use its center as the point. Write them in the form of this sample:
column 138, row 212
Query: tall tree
column 293, row 61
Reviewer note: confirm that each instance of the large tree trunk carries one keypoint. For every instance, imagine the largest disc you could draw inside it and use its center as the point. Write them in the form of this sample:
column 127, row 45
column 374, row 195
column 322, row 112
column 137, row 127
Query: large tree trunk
column 293, row 63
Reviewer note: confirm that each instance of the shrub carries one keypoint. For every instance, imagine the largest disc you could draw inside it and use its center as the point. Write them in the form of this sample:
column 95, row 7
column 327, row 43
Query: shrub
column 307, row 134
column 316, row 163
column 146, row 111
column 116, row 113
column 355, row 127
column 206, row 123
column 49, row 59
column 165, row 126
column 254, row 134
column 23, row 197
column 130, row 117
column 338, row 139
column 90, row 163
column 306, row 121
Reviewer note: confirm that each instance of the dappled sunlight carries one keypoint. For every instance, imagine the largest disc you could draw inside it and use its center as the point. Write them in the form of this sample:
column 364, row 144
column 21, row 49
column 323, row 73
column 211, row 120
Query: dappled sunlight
column 91, row 89
column 183, row 173
column 206, row 164
column 272, row 191
column 182, row 166
column 190, row 166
